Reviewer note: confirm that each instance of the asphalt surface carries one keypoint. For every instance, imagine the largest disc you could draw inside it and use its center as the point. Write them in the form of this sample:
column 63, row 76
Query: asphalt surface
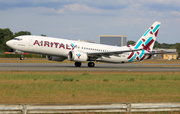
column 84, row 67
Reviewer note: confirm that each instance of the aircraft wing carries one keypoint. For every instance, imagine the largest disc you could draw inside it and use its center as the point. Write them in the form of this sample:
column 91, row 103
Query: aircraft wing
column 99, row 54
column 160, row 53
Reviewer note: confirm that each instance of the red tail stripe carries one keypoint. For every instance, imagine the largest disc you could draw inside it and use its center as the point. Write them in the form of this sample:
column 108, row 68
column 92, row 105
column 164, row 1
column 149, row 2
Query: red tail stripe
column 156, row 33
column 131, row 55
column 147, row 47
column 142, row 57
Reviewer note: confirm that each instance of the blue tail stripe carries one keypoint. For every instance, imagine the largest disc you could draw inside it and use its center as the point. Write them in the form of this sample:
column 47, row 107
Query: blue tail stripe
column 142, row 54
column 146, row 32
column 132, row 58
column 137, row 46
column 149, row 39
column 154, row 30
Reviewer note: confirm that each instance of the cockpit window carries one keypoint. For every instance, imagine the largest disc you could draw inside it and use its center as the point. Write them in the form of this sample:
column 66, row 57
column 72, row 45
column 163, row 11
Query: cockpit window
column 19, row 39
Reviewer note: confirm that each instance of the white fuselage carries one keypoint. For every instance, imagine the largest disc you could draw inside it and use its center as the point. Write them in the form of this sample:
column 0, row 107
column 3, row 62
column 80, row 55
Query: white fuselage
column 61, row 47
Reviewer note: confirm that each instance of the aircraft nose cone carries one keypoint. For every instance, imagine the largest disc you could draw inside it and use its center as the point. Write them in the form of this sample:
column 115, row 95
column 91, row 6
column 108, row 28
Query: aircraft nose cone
column 9, row 43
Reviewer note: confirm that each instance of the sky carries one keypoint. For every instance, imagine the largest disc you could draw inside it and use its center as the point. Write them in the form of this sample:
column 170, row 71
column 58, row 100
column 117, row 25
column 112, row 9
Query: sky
column 87, row 19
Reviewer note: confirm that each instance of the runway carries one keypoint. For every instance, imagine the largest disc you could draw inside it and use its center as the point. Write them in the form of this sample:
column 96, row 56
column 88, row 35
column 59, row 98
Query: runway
column 98, row 67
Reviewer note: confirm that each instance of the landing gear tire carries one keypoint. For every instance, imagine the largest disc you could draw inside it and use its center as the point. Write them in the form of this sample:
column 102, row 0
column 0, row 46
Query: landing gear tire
column 77, row 64
column 21, row 58
column 91, row 64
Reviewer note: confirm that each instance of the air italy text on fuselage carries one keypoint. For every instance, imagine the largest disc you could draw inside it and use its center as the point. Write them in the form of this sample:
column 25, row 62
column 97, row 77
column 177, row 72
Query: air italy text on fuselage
column 56, row 44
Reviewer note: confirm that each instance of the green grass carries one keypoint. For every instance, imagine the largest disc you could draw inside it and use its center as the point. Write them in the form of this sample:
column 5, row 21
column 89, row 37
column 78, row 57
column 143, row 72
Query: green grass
column 87, row 76
column 20, row 87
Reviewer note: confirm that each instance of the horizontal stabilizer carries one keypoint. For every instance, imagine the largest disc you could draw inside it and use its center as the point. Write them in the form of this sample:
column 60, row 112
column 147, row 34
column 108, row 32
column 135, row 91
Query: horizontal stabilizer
column 160, row 53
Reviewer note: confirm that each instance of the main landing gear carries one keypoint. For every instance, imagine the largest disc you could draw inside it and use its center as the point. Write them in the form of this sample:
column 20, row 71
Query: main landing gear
column 77, row 64
column 90, row 64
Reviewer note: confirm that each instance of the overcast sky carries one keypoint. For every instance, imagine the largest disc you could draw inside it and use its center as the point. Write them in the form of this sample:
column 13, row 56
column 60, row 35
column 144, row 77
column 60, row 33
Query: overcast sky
column 87, row 19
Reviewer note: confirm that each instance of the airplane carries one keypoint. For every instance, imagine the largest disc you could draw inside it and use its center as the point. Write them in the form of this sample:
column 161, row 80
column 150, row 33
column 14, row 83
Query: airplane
column 57, row 49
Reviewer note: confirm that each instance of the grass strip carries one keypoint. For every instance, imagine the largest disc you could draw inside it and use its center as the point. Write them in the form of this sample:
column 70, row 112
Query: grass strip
column 89, row 87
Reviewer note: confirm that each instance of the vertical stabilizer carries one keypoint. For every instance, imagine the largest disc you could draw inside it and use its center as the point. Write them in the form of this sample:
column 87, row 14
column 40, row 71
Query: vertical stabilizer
column 147, row 41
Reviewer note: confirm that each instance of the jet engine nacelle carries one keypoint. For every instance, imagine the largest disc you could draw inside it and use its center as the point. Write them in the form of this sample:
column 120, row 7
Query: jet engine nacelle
column 55, row 58
column 77, row 56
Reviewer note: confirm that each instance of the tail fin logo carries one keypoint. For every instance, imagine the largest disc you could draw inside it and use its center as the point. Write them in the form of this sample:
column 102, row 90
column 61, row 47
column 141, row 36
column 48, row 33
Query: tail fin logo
column 146, row 42
column 148, row 38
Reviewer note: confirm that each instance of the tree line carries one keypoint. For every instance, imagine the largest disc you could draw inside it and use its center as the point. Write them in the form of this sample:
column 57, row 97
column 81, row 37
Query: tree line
column 6, row 34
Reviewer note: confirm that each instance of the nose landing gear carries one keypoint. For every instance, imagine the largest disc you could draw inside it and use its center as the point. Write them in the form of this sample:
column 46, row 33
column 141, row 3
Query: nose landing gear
column 21, row 57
